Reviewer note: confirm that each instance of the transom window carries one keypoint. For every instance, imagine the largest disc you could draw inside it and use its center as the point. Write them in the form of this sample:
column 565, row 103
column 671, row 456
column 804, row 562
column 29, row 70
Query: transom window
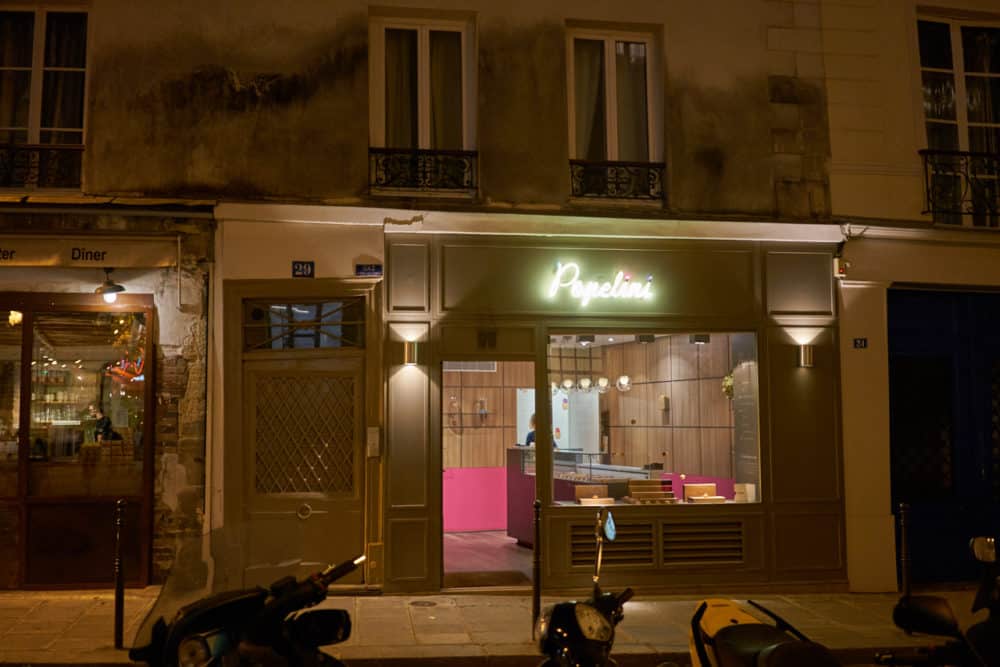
column 43, row 61
column 611, row 100
column 422, row 84
column 303, row 324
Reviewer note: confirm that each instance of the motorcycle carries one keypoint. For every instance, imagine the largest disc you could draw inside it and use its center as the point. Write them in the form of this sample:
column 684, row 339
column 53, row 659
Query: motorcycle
column 581, row 634
column 978, row 646
column 724, row 634
column 261, row 626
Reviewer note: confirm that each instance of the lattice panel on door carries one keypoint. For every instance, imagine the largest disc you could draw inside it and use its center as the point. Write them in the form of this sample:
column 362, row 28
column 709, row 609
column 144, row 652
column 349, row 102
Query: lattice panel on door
column 305, row 434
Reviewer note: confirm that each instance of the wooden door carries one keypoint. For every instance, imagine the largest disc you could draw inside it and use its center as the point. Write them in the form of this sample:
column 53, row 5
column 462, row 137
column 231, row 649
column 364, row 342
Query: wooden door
column 303, row 418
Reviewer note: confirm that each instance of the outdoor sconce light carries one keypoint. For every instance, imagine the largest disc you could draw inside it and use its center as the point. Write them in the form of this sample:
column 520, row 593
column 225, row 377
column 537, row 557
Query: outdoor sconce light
column 699, row 339
column 109, row 289
column 805, row 356
column 410, row 353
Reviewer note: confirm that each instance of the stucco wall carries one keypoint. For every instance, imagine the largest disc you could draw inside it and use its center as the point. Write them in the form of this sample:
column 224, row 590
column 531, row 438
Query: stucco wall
column 181, row 312
column 203, row 99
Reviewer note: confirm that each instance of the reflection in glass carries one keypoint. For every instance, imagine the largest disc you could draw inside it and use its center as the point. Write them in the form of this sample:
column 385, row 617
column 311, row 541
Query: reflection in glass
column 942, row 136
column 87, row 404
column 14, row 93
column 939, row 95
column 983, row 99
column 981, row 49
column 303, row 325
column 66, row 39
column 935, row 44
column 984, row 140
column 10, row 398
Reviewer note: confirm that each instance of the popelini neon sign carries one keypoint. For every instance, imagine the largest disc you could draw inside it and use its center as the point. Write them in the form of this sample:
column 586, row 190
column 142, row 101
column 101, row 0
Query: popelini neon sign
column 621, row 288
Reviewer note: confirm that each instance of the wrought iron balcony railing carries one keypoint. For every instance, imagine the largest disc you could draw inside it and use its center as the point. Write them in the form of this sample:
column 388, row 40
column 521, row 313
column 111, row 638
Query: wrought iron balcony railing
column 617, row 180
column 40, row 165
column 424, row 170
column 960, row 183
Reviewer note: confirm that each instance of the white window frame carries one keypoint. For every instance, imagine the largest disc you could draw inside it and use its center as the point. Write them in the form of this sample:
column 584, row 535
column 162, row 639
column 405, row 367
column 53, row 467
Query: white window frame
column 958, row 73
column 376, row 40
column 609, row 37
column 38, row 69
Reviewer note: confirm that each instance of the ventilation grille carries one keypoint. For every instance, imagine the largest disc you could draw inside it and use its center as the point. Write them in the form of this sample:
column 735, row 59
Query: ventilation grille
column 633, row 545
column 707, row 542
column 471, row 366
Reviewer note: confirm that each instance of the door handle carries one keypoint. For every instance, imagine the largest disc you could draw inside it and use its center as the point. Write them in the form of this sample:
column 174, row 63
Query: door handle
column 304, row 511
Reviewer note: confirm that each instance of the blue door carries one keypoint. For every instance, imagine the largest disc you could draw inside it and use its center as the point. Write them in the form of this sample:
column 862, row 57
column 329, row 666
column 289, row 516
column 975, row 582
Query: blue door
column 944, row 401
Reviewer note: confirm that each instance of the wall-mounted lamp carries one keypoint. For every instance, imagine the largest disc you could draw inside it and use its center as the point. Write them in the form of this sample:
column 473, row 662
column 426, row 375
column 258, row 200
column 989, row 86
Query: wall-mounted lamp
column 699, row 339
column 109, row 289
column 806, row 356
column 410, row 351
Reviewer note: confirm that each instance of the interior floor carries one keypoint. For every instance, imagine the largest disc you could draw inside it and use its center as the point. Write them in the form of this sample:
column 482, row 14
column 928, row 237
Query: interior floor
column 485, row 558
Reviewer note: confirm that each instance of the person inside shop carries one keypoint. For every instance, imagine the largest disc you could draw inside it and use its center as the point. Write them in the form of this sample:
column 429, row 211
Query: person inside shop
column 529, row 439
column 102, row 427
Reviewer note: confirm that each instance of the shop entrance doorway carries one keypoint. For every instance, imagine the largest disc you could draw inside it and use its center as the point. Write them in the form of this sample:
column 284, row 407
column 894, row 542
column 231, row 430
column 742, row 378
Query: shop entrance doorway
column 486, row 411
column 944, row 404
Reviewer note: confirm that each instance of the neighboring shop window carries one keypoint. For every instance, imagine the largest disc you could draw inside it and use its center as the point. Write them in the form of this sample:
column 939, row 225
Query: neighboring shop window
column 88, row 399
column 303, row 324
column 43, row 64
column 10, row 399
column 654, row 419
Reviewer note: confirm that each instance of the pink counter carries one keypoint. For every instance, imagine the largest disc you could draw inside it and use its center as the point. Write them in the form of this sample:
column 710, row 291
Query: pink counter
column 474, row 499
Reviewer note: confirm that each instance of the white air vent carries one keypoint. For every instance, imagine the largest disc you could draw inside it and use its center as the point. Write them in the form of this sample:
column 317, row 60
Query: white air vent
column 471, row 366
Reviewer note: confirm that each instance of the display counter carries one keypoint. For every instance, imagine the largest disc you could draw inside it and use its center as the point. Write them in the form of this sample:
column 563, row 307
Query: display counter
column 577, row 478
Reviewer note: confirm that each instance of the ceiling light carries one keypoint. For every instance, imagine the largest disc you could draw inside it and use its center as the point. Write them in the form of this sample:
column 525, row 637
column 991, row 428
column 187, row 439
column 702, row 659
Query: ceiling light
column 699, row 339
column 109, row 289
column 645, row 338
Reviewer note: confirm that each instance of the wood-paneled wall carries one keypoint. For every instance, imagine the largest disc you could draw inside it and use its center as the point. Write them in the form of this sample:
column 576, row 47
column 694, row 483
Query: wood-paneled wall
column 695, row 434
column 479, row 414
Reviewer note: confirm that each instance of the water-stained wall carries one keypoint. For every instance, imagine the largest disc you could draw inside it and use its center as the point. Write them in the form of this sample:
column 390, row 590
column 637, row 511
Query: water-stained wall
column 244, row 102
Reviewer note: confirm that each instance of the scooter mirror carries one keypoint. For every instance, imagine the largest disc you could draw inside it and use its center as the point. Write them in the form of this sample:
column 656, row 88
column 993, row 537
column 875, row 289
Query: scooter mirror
column 984, row 549
column 609, row 527
column 926, row 614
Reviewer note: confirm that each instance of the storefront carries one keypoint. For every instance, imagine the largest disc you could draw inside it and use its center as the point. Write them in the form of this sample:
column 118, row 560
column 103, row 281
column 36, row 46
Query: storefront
column 87, row 417
column 693, row 385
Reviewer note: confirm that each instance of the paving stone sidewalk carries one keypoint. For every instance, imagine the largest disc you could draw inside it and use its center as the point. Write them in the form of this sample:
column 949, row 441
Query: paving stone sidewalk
column 63, row 628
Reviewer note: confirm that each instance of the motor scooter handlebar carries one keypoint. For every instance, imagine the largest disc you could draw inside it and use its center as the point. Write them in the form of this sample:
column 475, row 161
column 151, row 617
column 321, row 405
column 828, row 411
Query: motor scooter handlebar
column 625, row 596
column 334, row 572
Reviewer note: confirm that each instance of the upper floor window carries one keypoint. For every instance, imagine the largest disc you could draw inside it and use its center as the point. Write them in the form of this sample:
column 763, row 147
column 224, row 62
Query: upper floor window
column 610, row 97
column 960, row 76
column 422, row 84
column 43, row 64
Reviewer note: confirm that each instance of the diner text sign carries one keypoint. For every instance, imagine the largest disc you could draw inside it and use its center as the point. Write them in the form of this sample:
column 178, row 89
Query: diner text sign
column 91, row 251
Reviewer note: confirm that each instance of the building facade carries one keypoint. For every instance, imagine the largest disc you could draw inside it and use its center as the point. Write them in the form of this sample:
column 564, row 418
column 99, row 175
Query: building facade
column 439, row 227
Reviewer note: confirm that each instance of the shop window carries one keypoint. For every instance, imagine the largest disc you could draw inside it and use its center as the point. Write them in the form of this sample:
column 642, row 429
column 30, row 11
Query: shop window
column 960, row 75
column 88, row 401
column 303, row 324
column 654, row 419
column 10, row 399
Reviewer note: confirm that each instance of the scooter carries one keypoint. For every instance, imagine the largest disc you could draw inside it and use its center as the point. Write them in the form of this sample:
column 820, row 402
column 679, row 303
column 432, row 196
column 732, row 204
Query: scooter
column 261, row 626
column 978, row 646
column 581, row 634
column 724, row 634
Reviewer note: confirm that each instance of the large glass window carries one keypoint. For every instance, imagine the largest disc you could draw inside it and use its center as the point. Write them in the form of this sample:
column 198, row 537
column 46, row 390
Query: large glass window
column 654, row 418
column 10, row 399
column 88, row 390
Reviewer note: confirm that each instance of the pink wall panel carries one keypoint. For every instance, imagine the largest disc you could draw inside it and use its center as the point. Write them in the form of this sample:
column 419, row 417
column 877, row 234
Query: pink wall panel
column 474, row 499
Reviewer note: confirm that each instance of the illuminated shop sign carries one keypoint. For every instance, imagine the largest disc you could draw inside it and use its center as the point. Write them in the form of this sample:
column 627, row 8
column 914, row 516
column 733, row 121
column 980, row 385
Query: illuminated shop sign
column 620, row 288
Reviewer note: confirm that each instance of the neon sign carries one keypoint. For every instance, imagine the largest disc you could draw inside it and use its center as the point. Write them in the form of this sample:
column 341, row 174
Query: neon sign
column 621, row 288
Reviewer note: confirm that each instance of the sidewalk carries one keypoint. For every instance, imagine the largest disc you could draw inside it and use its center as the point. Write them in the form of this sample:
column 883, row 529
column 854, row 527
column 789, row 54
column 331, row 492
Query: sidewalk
column 61, row 628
